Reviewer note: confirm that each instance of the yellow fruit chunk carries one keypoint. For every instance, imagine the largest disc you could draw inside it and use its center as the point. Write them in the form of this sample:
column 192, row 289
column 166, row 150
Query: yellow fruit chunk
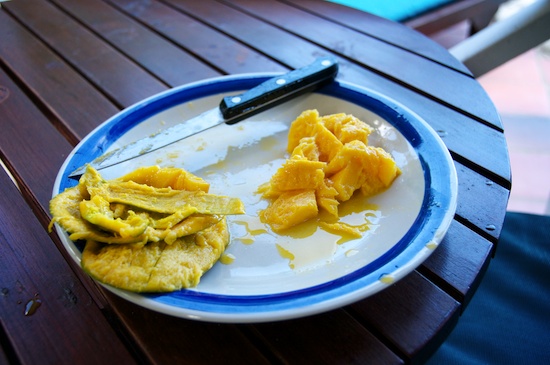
column 358, row 166
column 326, row 198
column 307, row 148
column 298, row 174
column 342, row 229
column 330, row 160
column 303, row 126
column 308, row 124
column 347, row 128
column 289, row 209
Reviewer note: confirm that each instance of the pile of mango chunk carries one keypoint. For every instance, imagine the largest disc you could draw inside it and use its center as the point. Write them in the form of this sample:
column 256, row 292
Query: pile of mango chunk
column 330, row 159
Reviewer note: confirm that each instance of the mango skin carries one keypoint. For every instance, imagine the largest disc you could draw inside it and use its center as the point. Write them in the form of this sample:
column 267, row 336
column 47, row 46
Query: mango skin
column 151, row 230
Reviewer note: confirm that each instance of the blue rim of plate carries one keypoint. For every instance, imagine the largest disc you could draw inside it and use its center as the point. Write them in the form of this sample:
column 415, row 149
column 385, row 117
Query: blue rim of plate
column 427, row 231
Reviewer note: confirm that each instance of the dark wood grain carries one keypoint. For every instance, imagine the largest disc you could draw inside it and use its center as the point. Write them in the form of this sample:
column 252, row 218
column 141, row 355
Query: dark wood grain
column 171, row 64
column 333, row 337
column 47, row 313
column 118, row 77
column 32, row 147
column 485, row 214
column 52, row 82
column 459, row 262
column 215, row 48
column 412, row 315
column 169, row 340
column 387, row 30
column 266, row 38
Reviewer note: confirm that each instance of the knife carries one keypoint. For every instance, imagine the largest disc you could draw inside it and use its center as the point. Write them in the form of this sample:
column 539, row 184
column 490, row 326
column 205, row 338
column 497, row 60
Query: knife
column 231, row 110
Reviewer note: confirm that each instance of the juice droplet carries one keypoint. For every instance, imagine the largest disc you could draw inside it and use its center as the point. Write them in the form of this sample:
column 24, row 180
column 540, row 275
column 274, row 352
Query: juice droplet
column 431, row 245
column 286, row 254
column 386, row 279
column 253, row 228
column 247, row 240
column 31, row 306
column 351, row 252
column 227, row 258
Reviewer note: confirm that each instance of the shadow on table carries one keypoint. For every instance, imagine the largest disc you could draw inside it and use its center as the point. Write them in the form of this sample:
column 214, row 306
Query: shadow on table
column 508, row 319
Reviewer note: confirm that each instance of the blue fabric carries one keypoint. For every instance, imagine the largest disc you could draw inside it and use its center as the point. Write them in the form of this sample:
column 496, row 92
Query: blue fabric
column 397, row 10
column 508, row 319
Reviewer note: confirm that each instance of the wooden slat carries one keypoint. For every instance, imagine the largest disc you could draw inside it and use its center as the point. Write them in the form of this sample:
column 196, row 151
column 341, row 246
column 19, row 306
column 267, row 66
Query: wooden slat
column 66, row 326
column 34, row 154
column 169, row 340
column 118, row 77
column 412, row 314
column 159, row 56
column 31, row 146
column 52, row 82
column 330, row 338
column 268, row 39
column 486, row 214
column 213, row 47
column 380, row 56
column 383, row 29
column 455, row 266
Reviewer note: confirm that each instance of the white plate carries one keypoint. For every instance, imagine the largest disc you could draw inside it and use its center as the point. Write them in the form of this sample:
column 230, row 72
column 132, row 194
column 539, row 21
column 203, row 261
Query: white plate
column 407, row 222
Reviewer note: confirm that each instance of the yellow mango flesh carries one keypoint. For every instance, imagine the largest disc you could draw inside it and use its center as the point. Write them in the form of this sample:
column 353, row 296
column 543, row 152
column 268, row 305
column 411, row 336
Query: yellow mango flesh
column 347, row 128
column 298, row 174
column 289, row 209
column 330, row 159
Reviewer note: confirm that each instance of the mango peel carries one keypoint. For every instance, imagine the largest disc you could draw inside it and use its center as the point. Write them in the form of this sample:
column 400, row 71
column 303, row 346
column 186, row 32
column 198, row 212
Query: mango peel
column 153, row 230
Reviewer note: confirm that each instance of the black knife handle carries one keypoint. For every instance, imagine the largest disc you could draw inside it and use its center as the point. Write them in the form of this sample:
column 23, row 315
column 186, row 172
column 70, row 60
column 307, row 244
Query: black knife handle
column 278, row 89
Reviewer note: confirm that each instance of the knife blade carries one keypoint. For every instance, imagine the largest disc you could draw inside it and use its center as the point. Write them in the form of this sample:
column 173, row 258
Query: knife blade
column 231, row 110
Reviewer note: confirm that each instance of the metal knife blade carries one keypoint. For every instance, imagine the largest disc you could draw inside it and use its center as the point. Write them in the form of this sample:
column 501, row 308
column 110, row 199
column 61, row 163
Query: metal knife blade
column 232, row 109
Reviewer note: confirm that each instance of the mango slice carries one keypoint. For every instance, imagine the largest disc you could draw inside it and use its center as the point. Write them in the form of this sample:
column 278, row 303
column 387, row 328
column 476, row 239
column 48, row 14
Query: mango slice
column 289, row 209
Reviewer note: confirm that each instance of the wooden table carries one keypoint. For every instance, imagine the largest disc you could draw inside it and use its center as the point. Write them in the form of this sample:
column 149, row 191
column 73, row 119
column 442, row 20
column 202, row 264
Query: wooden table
column 66, row 66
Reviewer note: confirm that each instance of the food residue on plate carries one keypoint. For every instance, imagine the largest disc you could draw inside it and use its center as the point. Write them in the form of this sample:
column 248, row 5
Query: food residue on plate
column 152, row 230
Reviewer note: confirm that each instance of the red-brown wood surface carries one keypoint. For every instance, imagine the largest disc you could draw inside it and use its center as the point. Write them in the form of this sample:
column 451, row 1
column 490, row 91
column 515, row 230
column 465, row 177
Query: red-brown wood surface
column 47, row 314
column 67, row 66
